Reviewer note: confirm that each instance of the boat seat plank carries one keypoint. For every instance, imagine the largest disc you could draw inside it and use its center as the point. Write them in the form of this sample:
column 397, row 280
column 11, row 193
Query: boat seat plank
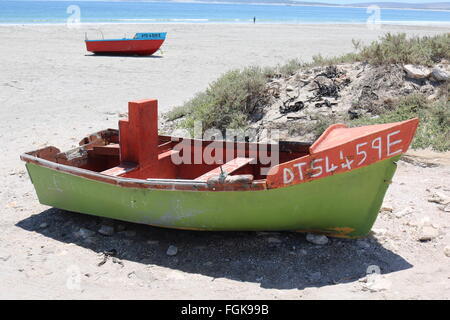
column 167, row 154
column 121, row 169
column 112, row 149
column 229, row 168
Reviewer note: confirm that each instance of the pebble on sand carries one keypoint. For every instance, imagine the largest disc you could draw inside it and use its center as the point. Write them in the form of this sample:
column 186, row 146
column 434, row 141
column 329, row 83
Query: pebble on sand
column 317, row 238
column 376, row 283
column 403, row 212
column 362, row 243
column 84, row 233
column 379, row 231
column 387, row 208
column 172, row 250
column 106, row 230
column 274, row 240
column 447, row 251
column 428, row 233
column 440, row 198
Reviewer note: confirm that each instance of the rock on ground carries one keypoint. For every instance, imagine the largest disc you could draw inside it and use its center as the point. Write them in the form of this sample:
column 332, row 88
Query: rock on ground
column 84, row 233
column 106, row 230
column 317, row 238
column 172, row 250
column 428, row 233
column 416, row 71
column 440, row 74
column 447, row 251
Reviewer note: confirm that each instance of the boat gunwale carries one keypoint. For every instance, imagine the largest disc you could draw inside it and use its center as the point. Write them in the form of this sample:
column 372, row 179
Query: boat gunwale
column 196, row 185
column 151, row 183
column 163, row 37
column 105, row 178
column 157, row 184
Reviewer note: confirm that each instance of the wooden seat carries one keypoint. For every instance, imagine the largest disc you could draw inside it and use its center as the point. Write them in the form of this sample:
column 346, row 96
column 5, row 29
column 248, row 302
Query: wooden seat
column 111, row 149
column 229, row 168
column 124, row 167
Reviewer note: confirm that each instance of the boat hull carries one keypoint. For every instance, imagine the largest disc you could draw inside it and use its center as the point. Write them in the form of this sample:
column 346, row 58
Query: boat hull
column 124, row 47
column 344, row 204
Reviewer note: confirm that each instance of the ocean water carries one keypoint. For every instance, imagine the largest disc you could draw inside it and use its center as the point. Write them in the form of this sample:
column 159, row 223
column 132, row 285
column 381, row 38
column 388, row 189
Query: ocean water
column 58, row 12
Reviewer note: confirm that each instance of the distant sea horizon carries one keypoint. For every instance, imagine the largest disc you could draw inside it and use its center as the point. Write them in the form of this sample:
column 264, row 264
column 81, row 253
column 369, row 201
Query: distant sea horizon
column 132, row 12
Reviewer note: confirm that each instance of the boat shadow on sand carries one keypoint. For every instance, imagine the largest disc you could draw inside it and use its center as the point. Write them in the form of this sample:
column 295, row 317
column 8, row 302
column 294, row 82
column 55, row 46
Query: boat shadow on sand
column 124, row 56
column 283, row 260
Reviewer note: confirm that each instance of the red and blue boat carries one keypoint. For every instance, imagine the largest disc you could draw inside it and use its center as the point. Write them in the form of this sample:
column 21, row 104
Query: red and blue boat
column 142, row 44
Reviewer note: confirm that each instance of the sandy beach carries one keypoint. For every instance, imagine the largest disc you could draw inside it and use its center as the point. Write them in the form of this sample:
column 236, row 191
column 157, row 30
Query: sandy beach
column 54, row 92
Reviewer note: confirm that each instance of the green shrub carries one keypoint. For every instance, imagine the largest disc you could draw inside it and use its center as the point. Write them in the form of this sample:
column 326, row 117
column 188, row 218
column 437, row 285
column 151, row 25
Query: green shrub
column 397, row 48
column 178, row 112
column 394, row 48
column 434, row 120
column 289, row 68
column 269, row 72
column 228, row 101
column 319, row 60
column 323, row 122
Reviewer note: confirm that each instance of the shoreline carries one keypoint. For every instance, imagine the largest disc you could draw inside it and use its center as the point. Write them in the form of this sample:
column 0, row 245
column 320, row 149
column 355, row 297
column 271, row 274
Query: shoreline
column 296, row 5
column 240, row 23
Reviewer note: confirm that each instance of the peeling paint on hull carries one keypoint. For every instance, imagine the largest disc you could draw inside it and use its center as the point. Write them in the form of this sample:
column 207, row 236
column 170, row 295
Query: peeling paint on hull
column 344, row 204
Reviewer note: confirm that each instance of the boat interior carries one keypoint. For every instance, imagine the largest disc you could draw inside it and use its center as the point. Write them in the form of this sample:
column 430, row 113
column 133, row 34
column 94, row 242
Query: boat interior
column 137, row 151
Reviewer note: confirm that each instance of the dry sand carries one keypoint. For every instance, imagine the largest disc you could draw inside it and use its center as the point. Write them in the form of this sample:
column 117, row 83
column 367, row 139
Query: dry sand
column 52, row 92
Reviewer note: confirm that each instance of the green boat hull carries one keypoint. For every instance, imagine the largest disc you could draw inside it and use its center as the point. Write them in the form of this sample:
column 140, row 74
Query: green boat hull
column 344, row 204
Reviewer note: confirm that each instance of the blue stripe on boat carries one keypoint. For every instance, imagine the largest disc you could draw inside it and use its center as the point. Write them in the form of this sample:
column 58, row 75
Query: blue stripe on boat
column 140, row 36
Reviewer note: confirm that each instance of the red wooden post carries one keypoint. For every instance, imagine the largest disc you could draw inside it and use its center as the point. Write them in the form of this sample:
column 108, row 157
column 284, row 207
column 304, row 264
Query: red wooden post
column 138, row 135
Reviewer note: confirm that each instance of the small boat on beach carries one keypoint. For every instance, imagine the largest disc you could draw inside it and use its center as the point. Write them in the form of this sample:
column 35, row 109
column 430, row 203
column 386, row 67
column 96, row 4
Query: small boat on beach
column 333, row 186
column 142, row 44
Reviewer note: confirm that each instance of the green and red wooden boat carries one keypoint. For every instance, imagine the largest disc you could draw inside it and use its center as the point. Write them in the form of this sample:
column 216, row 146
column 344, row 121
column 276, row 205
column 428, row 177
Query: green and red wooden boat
column 333, row 186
